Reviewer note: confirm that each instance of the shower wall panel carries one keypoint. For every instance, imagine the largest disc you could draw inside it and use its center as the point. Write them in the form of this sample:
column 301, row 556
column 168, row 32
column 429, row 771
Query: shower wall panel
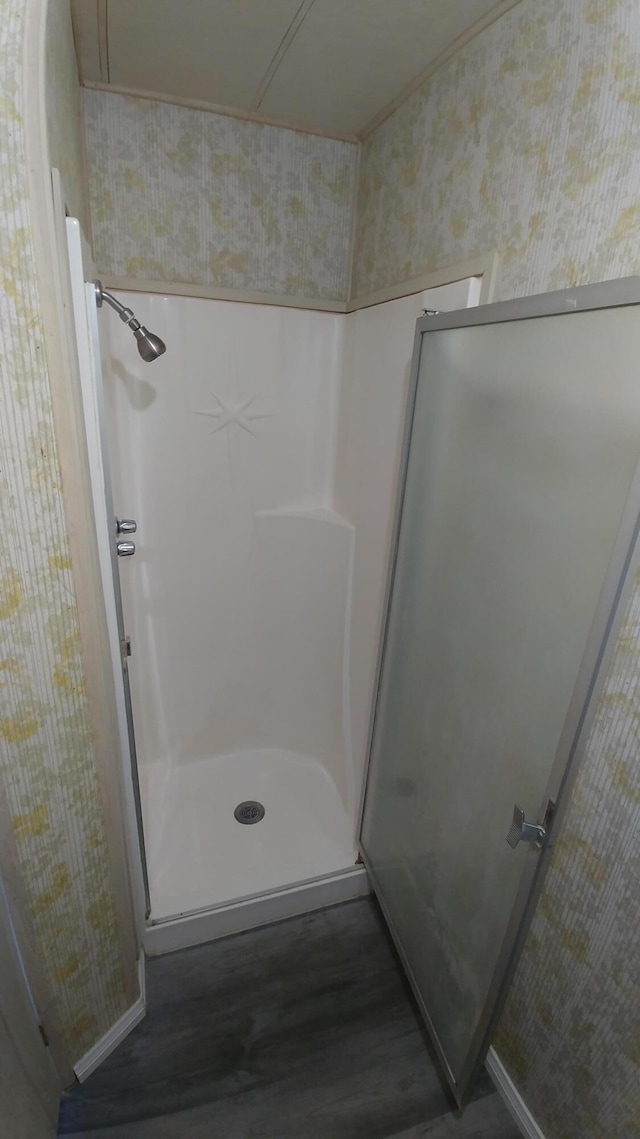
column 288, row 672
column 224, row 443
column 373, row 399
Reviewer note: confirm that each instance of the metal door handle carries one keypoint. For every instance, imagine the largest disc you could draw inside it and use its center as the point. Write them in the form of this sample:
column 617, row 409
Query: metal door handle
column 125, row 549
column 126, row 526
column 522, row 831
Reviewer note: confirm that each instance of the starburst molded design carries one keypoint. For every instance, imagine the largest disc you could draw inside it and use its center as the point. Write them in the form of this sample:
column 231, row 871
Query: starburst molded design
column 229, row 414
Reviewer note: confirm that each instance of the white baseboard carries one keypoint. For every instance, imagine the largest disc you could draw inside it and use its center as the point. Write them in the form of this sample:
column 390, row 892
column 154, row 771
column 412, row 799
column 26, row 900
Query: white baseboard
column 511, row 1096
column 207, row 925
column 106, row 1045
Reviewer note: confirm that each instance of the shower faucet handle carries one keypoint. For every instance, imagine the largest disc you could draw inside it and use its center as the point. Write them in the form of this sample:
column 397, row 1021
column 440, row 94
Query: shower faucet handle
column 126, row 526
column 125, row 549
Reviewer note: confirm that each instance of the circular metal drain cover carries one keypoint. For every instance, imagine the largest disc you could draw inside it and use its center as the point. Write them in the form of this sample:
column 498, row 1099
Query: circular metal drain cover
column 249, row 812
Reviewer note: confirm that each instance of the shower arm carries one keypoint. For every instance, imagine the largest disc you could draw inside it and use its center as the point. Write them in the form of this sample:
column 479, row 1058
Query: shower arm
column 126, row 315
column 150, row 346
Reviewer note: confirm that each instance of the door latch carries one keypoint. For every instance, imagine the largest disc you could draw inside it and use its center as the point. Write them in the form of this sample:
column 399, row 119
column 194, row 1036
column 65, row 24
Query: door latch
column 125, row 648
column 522, row 831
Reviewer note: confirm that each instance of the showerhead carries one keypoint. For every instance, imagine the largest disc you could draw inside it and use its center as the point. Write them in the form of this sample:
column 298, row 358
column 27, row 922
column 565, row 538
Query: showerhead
column 150, row 346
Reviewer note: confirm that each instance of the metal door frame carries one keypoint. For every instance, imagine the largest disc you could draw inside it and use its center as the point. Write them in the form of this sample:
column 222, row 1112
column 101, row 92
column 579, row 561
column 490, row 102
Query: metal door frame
column 601, row 644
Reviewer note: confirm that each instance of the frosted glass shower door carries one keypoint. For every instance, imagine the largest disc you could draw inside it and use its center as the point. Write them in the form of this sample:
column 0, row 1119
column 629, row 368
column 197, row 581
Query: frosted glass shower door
column 514, row 552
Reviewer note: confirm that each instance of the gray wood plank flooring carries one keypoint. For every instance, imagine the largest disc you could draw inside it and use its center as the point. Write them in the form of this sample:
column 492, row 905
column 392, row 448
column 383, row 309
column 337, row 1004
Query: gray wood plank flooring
column 300, row 1030
column 486, row 1118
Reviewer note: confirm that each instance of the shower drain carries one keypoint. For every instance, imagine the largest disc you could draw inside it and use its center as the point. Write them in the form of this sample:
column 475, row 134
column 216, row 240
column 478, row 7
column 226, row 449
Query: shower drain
column 249, row 812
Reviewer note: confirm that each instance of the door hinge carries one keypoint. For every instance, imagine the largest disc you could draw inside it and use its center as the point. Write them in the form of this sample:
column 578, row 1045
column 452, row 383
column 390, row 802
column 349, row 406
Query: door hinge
column 43, row 1032
column 125, row 648
column 522, row 831
column 533, row 833
column 549, row 815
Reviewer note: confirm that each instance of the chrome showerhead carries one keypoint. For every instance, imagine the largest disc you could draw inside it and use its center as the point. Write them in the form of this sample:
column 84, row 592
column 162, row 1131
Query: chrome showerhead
column 150, row 346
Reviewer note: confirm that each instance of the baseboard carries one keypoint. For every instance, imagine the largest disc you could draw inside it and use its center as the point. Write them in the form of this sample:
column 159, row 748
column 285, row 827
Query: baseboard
column 207, row 925
column 511, row 1096
column 111, row 1039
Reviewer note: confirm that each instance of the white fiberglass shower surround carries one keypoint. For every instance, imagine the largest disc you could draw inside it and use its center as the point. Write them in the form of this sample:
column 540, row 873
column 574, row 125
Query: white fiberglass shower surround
column 260, row 459
column 237, row 600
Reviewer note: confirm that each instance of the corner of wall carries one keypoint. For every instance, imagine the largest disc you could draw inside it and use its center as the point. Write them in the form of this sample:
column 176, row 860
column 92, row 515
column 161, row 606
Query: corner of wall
column 355, row 196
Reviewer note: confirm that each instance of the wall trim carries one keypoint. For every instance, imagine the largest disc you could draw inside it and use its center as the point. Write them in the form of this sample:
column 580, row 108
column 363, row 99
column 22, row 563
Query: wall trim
column 103, row 37
column 82, row 269
column 118, row 1031
column 218, row 109
column 511, row 1096
column 500, row 9
column 211, row 293
column 484, row 265
column 353, row 235
column 282, row 50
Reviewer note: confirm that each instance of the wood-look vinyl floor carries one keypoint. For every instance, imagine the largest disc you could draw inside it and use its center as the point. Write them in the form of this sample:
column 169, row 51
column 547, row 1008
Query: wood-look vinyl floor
column 301, row 1030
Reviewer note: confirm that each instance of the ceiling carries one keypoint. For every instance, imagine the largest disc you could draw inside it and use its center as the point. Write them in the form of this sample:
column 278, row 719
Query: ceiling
column 333, row 66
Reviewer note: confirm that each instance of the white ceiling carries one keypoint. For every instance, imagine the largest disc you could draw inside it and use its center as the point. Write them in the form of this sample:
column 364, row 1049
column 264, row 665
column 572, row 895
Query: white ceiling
column 329, row 65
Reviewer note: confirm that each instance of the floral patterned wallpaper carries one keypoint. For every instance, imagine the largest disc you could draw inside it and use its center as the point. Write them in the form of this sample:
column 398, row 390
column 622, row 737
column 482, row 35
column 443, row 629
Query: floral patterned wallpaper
column 528, row 142
column 570, row 1032
column 188, row 196
column 46, row 754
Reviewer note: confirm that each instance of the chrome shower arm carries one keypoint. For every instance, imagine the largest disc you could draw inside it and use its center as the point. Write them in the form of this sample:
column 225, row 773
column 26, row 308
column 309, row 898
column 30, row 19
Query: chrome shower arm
column 127, row 315
column 150, row 346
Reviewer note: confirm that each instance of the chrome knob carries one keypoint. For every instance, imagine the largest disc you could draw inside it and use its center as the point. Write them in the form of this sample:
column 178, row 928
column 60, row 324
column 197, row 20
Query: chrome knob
column 126, row 526
column 125, row 549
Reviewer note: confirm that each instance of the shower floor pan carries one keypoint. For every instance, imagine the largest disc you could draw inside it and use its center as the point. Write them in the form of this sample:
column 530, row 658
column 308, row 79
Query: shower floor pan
column 199, row 855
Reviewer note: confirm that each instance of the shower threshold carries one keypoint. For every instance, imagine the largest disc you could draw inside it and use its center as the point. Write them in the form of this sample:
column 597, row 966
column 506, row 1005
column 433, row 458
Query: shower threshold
column 165, row 934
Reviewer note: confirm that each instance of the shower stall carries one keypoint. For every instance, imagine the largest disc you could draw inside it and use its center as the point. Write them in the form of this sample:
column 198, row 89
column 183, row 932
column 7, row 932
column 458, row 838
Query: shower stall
column 253, row 469
column 261, row 460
